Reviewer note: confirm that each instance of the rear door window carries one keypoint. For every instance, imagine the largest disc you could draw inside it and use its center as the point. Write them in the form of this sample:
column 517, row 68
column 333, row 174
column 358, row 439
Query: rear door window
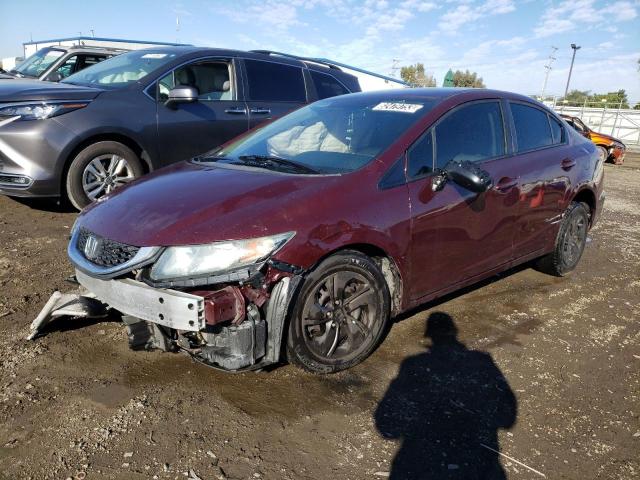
column 269, row 81
column 532, row 127
column 327, row 85
column 473, row 132
column 557, row 131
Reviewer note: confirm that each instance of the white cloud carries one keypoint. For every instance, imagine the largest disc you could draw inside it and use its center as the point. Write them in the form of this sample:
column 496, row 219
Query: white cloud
column 465, row 13
column 568, row 15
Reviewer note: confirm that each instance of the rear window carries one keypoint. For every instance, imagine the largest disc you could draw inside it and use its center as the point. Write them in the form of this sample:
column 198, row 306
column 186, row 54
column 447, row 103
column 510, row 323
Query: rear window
column 532, row 127
column 326, row 85
column 275, row 82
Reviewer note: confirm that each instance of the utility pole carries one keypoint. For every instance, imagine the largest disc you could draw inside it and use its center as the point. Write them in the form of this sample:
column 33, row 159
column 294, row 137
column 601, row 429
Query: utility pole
column 177, row 28
column 395, row 67
column 551, row 59
column 575, row 49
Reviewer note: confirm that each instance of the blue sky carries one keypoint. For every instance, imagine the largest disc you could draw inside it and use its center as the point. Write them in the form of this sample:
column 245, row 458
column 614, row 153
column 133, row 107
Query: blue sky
column 506, row 41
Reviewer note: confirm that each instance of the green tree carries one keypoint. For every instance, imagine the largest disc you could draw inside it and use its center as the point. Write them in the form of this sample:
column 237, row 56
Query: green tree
column 467, row 79
column 416, row 76
column 637, row 107
column 598, row 100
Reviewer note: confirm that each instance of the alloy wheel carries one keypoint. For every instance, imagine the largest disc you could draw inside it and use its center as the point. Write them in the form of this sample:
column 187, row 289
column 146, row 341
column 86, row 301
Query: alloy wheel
column 574, row 239
column 339, row 315
column 105, row 173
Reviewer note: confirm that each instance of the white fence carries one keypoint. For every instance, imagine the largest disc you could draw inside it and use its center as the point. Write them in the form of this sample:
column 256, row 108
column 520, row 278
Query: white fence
column 621, row 123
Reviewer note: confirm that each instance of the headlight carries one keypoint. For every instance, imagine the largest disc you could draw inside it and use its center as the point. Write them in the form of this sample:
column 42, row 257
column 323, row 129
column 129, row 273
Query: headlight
column 39, row 111
column 200, row 260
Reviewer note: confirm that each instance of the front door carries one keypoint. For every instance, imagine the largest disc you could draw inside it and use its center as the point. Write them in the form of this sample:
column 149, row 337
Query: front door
column 219, row 114
column 458, row 234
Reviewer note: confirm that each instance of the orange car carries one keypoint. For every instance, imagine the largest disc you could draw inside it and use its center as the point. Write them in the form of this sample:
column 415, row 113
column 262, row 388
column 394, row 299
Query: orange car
column 609, row 148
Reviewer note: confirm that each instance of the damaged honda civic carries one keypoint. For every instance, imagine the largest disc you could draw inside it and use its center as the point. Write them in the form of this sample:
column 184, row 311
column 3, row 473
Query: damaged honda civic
column 300, row 240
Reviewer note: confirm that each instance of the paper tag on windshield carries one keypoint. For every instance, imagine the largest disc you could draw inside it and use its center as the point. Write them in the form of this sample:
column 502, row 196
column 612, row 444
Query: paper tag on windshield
column 154, row 55
column 398, row 107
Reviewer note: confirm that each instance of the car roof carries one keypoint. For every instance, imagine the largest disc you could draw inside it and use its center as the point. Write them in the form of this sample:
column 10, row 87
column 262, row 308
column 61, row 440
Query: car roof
column 440, row 94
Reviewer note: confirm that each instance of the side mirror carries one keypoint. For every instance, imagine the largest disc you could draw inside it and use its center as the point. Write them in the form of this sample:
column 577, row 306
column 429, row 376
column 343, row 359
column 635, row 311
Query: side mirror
column 181, row 94
column 54, row 77
column 468, row 175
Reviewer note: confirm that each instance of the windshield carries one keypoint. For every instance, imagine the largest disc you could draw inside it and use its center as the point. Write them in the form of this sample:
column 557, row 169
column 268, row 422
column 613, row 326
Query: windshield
column 37, row 63
column 121, row 70
column 335, row 135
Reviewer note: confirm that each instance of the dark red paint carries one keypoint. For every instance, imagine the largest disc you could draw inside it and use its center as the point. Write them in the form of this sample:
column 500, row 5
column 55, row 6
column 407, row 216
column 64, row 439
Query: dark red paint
column 439, row 241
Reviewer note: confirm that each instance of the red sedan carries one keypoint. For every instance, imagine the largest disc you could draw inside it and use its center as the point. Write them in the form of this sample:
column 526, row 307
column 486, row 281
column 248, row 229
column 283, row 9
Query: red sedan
column 307, row 235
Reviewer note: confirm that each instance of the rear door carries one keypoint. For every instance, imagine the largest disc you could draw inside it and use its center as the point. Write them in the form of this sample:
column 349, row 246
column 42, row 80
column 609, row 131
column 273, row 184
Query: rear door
column 458, row 234
column 220, row 113
column 546, row 171
column 273, row 89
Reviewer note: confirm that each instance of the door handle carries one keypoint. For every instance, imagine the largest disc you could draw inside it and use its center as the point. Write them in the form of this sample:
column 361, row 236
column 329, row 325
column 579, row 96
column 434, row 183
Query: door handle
column 568, row 164
column 264, row 111
column 505, row 184
column 236, row 110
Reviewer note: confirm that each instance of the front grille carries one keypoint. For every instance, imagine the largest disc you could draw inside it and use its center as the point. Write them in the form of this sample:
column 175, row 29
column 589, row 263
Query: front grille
column 106, row 253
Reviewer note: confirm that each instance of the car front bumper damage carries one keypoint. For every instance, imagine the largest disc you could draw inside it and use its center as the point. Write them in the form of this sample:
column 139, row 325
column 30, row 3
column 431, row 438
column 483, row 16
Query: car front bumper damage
column 232, row 327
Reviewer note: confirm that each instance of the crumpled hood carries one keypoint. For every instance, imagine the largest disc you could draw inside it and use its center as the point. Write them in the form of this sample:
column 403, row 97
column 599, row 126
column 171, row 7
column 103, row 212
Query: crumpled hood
column 189, row 203
column 595, row 136
column 20, row 90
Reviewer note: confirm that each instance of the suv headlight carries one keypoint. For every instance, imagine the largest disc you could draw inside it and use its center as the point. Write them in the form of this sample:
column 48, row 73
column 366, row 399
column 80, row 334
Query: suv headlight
column 39, row 111
column 200, row 260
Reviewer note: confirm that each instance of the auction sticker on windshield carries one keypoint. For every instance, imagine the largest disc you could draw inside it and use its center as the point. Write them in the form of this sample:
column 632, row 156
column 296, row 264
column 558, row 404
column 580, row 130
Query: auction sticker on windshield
column 398, row 107
column 154, row 55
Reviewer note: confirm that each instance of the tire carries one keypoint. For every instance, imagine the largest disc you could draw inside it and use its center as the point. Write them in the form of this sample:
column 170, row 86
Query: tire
column 603, row 154
column 329, row 332
column 83, row 171
column 570, row 242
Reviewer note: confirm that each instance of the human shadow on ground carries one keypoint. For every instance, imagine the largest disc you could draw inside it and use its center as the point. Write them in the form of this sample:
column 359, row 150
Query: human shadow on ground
column 446, row 406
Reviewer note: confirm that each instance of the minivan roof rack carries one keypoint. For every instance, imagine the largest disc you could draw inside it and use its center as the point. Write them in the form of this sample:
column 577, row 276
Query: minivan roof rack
column 321, row 61
column 332, row 64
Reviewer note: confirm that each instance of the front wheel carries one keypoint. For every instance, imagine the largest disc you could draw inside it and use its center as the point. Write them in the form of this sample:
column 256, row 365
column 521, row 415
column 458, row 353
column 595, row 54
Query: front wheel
column 340, row 314
column 570, row 242
column 98, row 170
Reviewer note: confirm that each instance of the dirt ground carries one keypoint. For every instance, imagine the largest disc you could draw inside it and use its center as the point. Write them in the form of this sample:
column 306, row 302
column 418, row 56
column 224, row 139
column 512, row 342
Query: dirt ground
column 545, row 370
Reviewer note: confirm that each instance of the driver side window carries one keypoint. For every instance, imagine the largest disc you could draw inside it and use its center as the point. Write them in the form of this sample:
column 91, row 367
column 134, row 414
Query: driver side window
column 213, row 80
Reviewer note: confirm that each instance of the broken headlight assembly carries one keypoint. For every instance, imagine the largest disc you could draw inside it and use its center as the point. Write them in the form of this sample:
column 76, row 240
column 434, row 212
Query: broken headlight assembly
column 191, row 261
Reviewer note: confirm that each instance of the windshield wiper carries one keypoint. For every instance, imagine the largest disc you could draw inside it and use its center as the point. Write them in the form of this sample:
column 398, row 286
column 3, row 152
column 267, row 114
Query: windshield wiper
column 269, row 160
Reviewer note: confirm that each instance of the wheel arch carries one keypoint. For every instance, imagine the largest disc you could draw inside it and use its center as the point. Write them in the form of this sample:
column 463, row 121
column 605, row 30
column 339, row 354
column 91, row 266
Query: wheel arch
column 586, row 195
column 105, row 137
column 387, row 264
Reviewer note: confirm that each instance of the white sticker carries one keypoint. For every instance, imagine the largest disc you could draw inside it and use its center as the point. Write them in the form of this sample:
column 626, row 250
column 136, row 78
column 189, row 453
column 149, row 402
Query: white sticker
column 398, row 107
column 154, row 55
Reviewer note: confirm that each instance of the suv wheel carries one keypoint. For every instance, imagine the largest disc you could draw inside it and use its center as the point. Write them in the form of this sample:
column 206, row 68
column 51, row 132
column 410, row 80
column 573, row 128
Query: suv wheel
column 570, row 242
column 99, row 169
column 340, row 315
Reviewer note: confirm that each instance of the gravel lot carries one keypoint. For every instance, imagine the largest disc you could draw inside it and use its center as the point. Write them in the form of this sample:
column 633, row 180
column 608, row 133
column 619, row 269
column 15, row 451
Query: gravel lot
column 546, row 370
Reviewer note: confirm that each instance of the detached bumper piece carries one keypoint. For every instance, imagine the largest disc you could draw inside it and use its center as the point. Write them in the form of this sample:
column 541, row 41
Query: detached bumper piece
column 233, row 328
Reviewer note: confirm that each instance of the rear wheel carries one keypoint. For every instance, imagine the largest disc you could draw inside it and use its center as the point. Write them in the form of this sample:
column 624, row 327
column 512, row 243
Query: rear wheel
column 340, row 314
column 570, row 242
column 98, row 170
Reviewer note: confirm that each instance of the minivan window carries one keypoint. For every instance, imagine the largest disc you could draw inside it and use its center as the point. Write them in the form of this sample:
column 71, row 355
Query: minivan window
column 420, row 156
column 335, row 135
column 532, row 127
column 473, row 132
column 276, row 82
column 326, row 85
column 122, row 69
column 211, row 79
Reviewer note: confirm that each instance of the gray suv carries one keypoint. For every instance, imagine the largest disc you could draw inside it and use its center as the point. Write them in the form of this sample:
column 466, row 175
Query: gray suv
column 108, row 124
column 57, row 63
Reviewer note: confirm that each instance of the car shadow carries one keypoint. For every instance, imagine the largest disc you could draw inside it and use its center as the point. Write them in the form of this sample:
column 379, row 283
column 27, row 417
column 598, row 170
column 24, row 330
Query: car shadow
column 446, row 407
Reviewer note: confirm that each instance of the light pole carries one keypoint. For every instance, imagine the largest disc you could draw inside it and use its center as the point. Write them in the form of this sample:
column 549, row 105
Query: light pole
column 575, row 49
